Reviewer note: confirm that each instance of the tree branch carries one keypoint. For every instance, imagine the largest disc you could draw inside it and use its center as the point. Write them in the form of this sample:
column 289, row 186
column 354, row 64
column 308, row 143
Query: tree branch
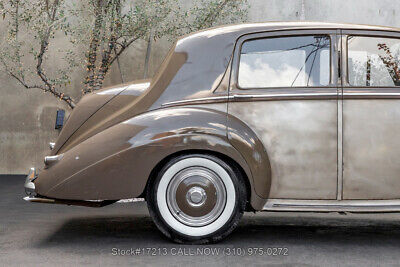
column 43, row 48
column 211, row 17
column 70, row 102
column 94, row 44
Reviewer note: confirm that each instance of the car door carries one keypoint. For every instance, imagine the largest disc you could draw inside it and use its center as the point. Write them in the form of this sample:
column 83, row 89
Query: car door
column 371, row 115
column 283, row 86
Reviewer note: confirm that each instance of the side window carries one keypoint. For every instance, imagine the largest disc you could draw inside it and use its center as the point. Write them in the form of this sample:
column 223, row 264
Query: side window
column 373, row 61
column 297, row 61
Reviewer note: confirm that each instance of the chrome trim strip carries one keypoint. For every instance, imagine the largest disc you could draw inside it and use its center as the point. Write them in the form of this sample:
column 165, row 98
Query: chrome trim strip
column 245, row 97
column 339, row 149
column 197, row 101
column 275, row 96
column 370, row 94
column 278, row 96
column 332, row 205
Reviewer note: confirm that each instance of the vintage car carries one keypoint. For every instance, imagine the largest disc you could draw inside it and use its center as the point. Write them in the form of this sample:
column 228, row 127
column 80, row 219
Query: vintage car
column 253, row 117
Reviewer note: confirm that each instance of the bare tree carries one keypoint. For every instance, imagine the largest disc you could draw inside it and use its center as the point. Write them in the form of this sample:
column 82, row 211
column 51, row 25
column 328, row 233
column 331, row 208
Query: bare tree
column 105, row 28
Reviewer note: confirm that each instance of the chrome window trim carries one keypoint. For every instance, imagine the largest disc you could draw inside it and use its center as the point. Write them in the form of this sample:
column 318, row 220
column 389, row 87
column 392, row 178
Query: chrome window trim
column 332, row 33
column 293, row 35
column 346, row 40
column 345, row 33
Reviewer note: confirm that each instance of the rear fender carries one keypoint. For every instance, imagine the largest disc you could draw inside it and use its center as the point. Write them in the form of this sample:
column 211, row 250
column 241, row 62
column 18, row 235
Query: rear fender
column 117, row 162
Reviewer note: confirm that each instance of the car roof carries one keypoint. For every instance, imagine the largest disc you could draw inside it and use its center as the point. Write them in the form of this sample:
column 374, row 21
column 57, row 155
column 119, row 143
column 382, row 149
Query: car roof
column 198, row 61
column 312, row 24
column 238, row 29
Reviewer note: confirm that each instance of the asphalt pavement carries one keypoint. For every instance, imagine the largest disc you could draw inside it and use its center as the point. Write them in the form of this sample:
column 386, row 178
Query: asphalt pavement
column 123, row 234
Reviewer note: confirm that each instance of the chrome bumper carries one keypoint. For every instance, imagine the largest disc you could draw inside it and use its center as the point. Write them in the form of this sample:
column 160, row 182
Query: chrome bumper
column 32, row 196
column 29, row 185
column 85, row 203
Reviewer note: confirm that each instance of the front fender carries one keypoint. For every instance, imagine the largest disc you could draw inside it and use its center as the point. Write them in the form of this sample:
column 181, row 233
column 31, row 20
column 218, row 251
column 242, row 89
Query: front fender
column 116, row 163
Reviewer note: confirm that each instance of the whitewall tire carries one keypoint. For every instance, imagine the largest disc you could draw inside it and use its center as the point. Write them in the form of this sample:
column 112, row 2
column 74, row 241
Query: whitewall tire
column 196, row 198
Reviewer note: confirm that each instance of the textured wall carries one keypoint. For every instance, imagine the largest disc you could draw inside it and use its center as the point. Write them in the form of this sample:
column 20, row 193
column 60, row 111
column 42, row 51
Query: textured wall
column 27, row 117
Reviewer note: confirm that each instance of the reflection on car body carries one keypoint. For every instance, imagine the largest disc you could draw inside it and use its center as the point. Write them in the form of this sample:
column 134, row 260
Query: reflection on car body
column 252, row 117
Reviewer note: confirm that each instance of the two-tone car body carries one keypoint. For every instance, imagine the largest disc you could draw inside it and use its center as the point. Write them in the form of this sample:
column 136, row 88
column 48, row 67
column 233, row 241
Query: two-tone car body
column 253, row 117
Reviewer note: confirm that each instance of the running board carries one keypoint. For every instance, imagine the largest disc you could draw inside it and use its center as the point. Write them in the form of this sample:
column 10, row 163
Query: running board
column 332, row 205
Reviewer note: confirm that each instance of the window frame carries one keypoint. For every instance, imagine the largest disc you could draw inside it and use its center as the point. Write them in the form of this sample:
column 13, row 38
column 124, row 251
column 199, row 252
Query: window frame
column 346, row 40
column 330, row 33
column 370, row 34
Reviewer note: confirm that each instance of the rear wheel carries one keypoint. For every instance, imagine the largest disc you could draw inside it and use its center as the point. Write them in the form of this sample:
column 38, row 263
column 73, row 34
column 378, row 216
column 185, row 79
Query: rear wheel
column 197, row 199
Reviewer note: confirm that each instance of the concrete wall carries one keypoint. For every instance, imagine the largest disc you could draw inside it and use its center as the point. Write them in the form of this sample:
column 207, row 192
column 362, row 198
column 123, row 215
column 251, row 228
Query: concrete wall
column 27, row 117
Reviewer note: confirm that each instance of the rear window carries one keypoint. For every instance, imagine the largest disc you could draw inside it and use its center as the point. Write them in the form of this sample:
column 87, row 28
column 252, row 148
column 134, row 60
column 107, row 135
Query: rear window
column 297, row 61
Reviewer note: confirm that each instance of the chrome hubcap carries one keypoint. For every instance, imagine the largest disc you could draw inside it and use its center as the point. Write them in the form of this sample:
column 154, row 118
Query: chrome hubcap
column 196, row 196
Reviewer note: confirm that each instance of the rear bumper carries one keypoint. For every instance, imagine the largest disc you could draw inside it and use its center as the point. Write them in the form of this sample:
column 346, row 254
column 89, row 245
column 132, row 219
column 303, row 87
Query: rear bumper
column 32, row 196
column 85, row 203
column 29, row 185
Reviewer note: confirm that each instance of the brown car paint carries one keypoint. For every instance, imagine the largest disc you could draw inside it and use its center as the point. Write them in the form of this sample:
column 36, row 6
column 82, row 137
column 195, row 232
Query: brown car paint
column 111, row 148
column 117, row 162
column 90, row 105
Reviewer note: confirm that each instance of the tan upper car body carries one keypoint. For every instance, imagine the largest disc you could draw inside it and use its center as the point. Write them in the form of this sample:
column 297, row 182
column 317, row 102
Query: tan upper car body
column 308, row 112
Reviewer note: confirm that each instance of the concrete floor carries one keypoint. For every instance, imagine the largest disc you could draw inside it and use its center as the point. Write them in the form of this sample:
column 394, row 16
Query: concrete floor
column 42, row 234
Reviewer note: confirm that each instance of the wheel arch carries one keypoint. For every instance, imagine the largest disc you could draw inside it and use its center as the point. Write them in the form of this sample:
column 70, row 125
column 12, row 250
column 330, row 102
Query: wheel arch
column 142, row 144
column 228, row 159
